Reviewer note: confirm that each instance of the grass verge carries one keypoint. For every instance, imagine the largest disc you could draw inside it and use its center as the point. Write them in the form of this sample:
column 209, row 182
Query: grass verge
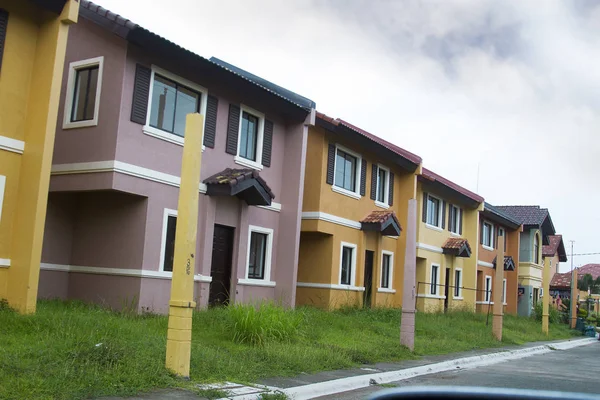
column 71, row 350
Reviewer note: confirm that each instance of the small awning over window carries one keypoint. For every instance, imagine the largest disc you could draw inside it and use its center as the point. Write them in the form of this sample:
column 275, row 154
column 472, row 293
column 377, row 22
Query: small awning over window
column 245, row 184
column 382, row 221
column 509, row 263
column 457, row 247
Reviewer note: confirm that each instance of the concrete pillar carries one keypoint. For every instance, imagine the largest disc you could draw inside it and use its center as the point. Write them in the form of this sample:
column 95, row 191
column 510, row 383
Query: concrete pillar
column 546, row 297
column 407, row 324
column 498, row 310
column 574, row 299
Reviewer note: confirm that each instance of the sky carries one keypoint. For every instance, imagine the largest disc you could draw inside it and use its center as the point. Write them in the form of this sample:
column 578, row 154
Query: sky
column 502, row 98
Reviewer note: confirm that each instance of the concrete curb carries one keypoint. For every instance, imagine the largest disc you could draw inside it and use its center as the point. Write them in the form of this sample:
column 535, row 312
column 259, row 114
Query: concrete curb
column 358, row 382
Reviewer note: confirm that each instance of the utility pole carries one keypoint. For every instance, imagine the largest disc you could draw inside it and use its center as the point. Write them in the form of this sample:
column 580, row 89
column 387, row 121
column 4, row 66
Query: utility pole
column 573, row 311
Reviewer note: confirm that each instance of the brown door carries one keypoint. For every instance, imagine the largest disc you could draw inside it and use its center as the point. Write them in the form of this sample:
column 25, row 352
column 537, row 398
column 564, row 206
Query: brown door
column 220, row 269
column 368, row 278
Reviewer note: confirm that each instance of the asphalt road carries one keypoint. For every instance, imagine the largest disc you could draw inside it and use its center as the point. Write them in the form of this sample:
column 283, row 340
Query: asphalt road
column 574, row 370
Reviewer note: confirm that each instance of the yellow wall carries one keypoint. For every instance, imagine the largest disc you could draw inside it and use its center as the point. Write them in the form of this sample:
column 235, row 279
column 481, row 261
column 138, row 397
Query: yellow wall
column 30, row 81
column 320, row 243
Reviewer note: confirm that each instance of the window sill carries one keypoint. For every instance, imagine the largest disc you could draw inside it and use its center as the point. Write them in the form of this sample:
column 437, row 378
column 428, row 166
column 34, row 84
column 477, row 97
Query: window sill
column 247, row 163
column 386, row 290
column 345, row 192
column 256, row 282
column 455, row 234
column 487, row 247
column 458, row 298
column 485, row 302
column 349, row 287
column 80, row 124
column 435, row 228
column 382, row 205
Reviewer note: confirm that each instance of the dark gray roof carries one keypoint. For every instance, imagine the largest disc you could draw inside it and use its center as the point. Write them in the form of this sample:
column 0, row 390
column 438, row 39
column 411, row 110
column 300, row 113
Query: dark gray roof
column 281, row 91
column 526, row 215
column 502, row 215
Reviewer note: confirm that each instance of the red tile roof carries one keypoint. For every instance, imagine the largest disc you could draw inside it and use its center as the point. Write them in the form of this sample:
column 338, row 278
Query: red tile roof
column 564, row 279
column 379, row 217
column 456, row 244
column 592, row 269
column 390, row 146
column 561, row 280
column 432, row 176
column 549, row 250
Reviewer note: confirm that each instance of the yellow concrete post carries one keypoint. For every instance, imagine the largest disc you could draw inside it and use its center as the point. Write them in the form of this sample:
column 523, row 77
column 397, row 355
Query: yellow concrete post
column 498, row 309
column 573, row 299
column 546, row 298
column 179, row 334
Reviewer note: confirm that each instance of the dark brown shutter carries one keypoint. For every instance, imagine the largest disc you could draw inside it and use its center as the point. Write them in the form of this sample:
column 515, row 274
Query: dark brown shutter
column 460, row 222
column 3, row 27
column 141, row 91
column 330, row 164
column 267, row 143
column 374, row 171
column 233, row 127
column 391, row 194
column 450, row 219
column 481, row 232
column 424, row 207
column 210, row 125
column 443, row 214
column 363, row 177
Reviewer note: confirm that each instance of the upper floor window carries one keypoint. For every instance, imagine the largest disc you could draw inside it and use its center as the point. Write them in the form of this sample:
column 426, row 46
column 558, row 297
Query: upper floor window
column 502, row 236
column 487, row 235
column 250, row 138
column 433, row 211
column 382, row 185
column 83, row 93
column 454, row 219
column 536, row 249
column 346, row 170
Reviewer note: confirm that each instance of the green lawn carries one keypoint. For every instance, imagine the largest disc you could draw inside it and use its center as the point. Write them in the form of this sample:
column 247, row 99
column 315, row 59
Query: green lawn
column 70, row 350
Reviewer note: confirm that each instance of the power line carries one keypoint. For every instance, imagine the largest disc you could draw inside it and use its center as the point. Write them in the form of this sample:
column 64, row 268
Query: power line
column 585, row 254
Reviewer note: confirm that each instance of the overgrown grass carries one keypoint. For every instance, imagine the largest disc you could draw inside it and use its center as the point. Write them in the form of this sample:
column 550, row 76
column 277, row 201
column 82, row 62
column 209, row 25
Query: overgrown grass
column 70, row 350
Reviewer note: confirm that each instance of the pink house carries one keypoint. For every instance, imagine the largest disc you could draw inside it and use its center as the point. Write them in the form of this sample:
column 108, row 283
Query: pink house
column 113, row 191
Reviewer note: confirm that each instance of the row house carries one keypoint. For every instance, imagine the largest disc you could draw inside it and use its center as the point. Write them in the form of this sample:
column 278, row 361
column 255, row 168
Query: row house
column 112, row 206
column 446, row 236
column 356, row 192
column 33, row 39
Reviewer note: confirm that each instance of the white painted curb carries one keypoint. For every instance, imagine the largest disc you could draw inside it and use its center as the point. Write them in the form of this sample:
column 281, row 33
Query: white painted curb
column 362, row 381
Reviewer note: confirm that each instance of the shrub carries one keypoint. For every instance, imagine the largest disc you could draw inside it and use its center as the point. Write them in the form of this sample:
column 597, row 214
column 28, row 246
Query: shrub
column 264, row 322
column 554, row 316
column 582, row 313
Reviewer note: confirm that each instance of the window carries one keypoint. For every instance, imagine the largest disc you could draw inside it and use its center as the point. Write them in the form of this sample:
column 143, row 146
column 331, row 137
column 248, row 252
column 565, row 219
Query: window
column 347, row 264
column 488, row 235
column 82, row 100
column 454, row 220
column 386, row 270
column 502, row 233
column 488, row 289
column 536, row 249
column 260, row 243
column 382, row 194
column 168, row 240
column 171, row 99
column 250, row 138
column 457, row 283
column 503, row 291
column 346, row 170
column 435, row 270
column 433, row 211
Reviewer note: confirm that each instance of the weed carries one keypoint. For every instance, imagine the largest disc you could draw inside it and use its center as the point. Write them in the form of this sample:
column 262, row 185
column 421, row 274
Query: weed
column 277, row 395
column 211, row 394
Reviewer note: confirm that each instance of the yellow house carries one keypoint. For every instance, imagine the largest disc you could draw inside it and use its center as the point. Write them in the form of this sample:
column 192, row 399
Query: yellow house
column 356, row 192
column 447, row 234
column 33, row 40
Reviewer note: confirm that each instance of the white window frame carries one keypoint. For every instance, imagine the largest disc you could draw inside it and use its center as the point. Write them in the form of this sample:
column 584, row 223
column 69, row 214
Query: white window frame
column 492, row 230
column 437, row 227
column 386, row 191
column 159, row 133
column 488, row 294
column 73, row 68
column 541, row 292
column 459, row 284
column 168, row 212
column 257, row 165
column 437, row 279
column 389, row 289
column 457, row 222
column 268, row 253
column 504, row 283
column 359, row 160
column 352, row 264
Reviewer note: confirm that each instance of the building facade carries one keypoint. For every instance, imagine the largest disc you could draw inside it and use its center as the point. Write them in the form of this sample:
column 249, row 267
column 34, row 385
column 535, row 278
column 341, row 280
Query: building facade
column 356, row 193
column 447, row 233
column 112, row 208
column 33, row 39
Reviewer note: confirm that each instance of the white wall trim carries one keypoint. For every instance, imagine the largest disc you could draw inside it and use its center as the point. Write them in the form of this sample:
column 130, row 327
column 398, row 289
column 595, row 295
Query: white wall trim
column 70, row 93
column 485, row 302
column 334, row 219
column 256, row 282
column 354, row 248
column 4, row 262
column 137, row 273
column 12, row 145
column 273, row 207
column 435, row 249
column 168, row 212
column 431, row 296
column 384, row 290
column 330, row 286
column 485, row 264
